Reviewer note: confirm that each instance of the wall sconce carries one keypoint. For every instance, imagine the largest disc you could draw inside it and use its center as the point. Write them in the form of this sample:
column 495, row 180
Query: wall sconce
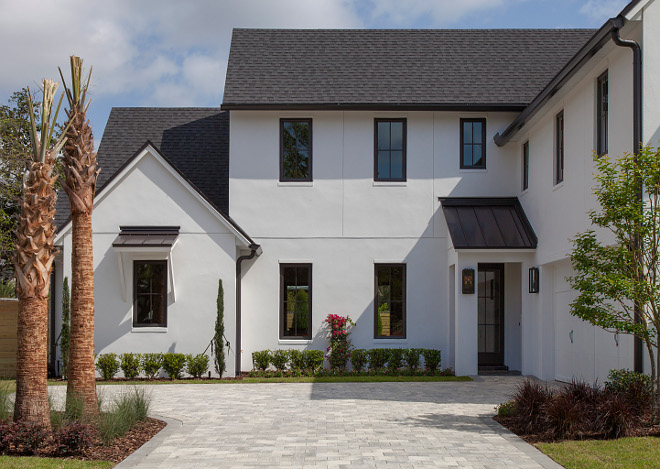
column 533, row 279
column 468, row 281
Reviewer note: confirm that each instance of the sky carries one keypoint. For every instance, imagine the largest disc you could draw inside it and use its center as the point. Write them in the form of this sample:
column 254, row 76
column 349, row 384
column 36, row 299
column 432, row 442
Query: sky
column 174, row 52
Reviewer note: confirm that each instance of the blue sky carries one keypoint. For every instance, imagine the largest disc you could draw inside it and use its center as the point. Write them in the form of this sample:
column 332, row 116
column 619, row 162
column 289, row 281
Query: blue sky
column 174, row 53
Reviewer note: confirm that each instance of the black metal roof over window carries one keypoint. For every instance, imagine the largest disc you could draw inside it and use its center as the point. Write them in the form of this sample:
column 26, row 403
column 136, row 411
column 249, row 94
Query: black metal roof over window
column 488, row 223
column 146, row 236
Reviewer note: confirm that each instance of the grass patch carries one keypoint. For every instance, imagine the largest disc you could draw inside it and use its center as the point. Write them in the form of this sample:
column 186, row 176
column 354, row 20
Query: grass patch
column 27, row 462
column 624, row 453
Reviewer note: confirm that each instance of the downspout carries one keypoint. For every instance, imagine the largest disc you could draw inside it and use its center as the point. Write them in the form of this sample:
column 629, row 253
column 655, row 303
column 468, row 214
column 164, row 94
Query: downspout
column 254, row 248
column 637, row 145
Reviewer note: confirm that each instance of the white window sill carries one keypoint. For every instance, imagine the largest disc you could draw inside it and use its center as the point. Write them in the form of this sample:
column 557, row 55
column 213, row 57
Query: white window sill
column 390, row 183
column 295, row 184
column 391, row 341
column 294, row 342
column 476, row 170
column 558, row 186
column 157, row 330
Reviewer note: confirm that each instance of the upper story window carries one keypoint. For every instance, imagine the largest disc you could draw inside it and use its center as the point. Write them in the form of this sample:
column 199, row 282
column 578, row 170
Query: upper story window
column 390, row 149
column 525, row 166
column 390, row 301
column 559, row 147
column 473, row 143
column 150, row 293
column 601, row 115
column 295, row 150
column 296, row 301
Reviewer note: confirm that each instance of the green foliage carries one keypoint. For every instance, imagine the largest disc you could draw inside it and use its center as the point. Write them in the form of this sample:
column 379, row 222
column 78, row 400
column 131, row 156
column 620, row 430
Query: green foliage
column 296, row 360
column 412, row 357
column 339, row 351
column 8, row 288
column 108, row 365
column 128, row 409
column 636, row 386
column 219, row 336
column 152, row 364
column 197, row 365
column 506, row 409
column 279, row 359
column 432, row 359
column 395, row 360
column 313, row 359
column 130, row 364
column 261, row 359
column 378, row 358
column 173, row 364
column 66, row 327
column 359, row 359
column 6, row 403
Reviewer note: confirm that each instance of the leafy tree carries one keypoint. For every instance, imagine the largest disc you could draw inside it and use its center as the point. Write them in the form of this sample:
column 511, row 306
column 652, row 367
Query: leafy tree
column 219, row 337
column 616, row 271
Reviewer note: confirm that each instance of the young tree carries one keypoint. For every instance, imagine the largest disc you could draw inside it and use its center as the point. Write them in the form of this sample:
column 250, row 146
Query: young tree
column 219, row 337
column 33, row 262
column 612, row 277
column 80, row 175
column 66, row 327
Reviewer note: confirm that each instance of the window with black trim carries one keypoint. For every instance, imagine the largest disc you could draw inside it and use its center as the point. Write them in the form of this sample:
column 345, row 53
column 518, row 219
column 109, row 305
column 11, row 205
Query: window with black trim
column 525, row 166
column 473, row 143
column 602, row 115
column 295, row 150
column 150, row 293
column 390, row 301
column 295, row 301
column 389, row 149
column 559, row 147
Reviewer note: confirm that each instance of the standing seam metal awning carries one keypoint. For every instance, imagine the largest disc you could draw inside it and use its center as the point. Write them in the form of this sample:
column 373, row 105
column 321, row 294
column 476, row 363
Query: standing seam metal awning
column 488, row 223
column 146, row 236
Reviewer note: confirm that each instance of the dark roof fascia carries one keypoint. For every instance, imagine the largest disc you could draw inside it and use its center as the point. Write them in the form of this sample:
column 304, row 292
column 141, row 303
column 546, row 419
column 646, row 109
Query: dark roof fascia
column 629, row 7
column 485, row 107
column 598, row 40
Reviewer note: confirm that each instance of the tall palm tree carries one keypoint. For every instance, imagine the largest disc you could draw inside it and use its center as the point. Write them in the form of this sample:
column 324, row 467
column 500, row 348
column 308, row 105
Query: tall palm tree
column 33, row 262
column 80, row 175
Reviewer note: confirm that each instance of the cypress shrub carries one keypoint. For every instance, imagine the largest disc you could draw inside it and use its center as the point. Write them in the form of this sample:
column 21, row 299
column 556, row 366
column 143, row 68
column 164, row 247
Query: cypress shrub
column 66, row 327
column 219, row 337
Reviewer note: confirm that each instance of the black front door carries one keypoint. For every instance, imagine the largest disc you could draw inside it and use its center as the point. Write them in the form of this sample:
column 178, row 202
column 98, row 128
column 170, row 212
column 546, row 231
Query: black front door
column 490, row 289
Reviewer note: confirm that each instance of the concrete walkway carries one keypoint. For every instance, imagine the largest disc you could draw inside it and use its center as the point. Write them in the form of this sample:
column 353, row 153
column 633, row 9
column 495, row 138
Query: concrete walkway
column 391, row 425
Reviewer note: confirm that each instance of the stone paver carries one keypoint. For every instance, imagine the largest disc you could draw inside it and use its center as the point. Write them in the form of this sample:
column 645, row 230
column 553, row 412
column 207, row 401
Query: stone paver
column 326, row 425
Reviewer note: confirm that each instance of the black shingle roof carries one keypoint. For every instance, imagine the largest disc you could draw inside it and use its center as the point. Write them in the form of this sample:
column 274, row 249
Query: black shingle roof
column 496, row 68
column 194, row 140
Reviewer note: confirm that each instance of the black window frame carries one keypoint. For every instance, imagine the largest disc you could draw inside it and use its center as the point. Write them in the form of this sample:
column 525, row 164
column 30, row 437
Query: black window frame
column 463, row 121
column 602, row 114
column 282, row 300
column 525, row 166
column 560, row 140
column 310, row 177
column 135, row 292
column 404, row 144
column 404, row 300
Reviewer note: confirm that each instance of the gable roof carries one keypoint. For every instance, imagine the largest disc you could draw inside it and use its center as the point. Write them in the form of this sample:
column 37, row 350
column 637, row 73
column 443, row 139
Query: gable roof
column 194, row 140
column 480, row 69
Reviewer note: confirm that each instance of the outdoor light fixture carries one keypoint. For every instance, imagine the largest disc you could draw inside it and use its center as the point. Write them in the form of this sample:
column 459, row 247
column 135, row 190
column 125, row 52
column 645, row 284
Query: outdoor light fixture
column 533, row 279
column 468, row 281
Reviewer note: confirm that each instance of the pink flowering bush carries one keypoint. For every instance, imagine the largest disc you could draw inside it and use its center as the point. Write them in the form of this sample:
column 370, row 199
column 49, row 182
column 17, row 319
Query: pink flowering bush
column 339, row 350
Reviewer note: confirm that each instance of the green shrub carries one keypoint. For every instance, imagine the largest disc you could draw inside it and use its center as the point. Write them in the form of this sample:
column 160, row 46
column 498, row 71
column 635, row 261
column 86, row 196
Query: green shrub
column 261, row 359
column 628, row 382
column 197, row 365
column 395, row 359
column 378, row 358
column 219, row 336
column 173, row 364
column 279, row 359
column 296, row 360
column 6, row 403
column 8, row 288
column 359, row 359
column 130, row 364
column 151, row 364
column 506, row 409
column 313, row 359
column 432, row 359
column 129, row 408
column 108, row 365
column 412, row 357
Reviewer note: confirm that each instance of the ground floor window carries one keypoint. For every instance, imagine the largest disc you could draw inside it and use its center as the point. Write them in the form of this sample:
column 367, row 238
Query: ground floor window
column 150, row 293
column 390, row 301
column 296, row 301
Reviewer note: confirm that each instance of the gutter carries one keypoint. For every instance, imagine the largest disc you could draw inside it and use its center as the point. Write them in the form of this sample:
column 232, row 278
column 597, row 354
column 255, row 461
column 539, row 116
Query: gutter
column 255, row 250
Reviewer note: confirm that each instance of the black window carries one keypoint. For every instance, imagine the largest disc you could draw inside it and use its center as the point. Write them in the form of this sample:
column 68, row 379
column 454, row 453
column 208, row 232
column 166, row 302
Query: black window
column 390, row 301
column 525, row 166
column 150, row 293
column 601, row 117
column 296, row 301
column 295, row 150
column 473, row 143
column 559, row 148
column 390, row 149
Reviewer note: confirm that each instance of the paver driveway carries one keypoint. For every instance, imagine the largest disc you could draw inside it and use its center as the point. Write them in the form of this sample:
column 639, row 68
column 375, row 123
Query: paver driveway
column 402, row 425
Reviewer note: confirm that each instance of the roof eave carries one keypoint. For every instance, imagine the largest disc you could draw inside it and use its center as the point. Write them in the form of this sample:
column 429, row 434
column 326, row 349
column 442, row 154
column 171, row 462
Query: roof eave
column 480, row 107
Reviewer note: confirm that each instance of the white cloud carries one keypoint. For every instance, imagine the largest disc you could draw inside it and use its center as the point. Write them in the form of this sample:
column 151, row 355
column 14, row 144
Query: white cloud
column 602, row 9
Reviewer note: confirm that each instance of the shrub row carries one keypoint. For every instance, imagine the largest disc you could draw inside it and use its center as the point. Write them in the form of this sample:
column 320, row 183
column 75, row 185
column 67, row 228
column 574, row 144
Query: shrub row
column 151, row 364
column 390, row 360
column 579, row 410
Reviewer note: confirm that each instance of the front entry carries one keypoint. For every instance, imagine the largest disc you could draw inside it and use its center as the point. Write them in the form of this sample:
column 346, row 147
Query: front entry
column 491, row 314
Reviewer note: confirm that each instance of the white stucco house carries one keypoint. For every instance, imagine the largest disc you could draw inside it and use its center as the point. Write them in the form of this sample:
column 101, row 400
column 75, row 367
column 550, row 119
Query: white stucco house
column 366, row 173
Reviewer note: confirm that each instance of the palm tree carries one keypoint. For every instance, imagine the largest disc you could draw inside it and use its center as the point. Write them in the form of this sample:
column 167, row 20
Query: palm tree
column 33, row 262
column 80, row 175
